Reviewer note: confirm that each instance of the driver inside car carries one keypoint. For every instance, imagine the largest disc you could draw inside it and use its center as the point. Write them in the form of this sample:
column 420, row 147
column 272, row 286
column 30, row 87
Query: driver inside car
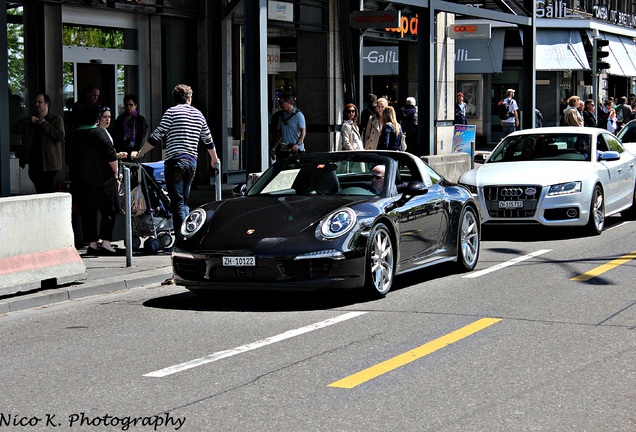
column 377, row 179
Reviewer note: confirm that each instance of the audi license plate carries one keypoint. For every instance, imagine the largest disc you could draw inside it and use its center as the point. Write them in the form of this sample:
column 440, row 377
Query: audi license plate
column 239, row 261
column 510, row 204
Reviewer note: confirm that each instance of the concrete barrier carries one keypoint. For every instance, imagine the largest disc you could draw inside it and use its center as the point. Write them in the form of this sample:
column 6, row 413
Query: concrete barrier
column 451, row 166
column 36, row 243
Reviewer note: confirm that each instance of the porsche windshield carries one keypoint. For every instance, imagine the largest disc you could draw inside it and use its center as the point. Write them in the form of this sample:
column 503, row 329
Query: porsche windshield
column 564, row 146
column 336, row 174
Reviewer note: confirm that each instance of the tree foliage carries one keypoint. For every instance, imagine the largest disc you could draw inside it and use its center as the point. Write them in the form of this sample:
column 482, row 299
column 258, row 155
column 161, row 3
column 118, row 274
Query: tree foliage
column 15, row 53
column 92, row 37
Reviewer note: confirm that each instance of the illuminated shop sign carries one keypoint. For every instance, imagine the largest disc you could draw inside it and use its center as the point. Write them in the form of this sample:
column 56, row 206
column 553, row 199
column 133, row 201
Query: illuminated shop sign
column 280, row 11
column 408, row 25
column 273, row 59
column 374, row 19
column 468, row 31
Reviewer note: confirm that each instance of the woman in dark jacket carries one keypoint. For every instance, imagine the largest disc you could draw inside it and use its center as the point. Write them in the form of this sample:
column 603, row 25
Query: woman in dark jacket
column 408, row 121
column 94, row 181
column 460, row 110
column 589, row 119
column 390, row 130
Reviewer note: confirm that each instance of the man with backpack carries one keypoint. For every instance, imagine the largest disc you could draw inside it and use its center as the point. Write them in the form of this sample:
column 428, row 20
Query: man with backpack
column 508, row 112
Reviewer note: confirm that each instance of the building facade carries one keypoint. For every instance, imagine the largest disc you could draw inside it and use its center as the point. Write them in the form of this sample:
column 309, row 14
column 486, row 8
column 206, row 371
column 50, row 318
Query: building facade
column 238, row 55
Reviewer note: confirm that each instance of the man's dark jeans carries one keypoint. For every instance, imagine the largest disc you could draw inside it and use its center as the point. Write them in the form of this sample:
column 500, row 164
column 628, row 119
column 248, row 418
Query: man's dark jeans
column 179, row 177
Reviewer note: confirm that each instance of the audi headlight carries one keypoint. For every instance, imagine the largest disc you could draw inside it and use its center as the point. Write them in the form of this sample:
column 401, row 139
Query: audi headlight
column 193, row 223
column 565, row 188
column 338, row 223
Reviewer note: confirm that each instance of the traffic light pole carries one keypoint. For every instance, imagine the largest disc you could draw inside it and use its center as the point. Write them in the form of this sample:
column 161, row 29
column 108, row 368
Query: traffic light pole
column 599, row 63
column 595, row 76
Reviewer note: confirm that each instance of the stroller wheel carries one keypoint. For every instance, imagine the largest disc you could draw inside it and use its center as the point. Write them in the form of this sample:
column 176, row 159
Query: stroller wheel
column 165, row 239
column 136, row 243
column 152, row 245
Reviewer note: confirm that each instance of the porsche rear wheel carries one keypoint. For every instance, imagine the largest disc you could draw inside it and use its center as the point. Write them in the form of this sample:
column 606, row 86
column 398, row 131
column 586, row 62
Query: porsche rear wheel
column 597, row 212
column 380, row 262
column 468, row 240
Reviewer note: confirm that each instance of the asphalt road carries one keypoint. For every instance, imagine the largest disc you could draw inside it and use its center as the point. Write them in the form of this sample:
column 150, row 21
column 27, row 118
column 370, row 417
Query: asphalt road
column 516, row 345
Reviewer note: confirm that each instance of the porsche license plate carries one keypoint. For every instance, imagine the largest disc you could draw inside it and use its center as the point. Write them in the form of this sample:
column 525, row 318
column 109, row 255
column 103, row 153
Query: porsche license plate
column 239, row 261
column 510, row 204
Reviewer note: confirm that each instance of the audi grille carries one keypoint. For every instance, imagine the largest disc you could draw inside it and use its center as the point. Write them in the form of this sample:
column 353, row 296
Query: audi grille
column 511, row 201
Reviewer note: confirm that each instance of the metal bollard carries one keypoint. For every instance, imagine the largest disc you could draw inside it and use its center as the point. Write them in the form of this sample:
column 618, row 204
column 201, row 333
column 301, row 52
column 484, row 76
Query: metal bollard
column 128, row 217
column 217, row 181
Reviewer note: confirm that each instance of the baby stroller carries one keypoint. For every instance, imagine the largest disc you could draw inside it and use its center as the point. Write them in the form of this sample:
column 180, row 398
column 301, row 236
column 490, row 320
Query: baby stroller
column 151, row 218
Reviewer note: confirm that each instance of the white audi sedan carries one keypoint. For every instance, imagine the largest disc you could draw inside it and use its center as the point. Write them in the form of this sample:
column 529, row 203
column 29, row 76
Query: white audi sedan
column 556, row 176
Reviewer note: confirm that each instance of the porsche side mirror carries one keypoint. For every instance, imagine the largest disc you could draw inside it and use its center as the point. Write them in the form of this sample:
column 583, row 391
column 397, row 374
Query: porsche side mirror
column 414, row 188
column 408, row 191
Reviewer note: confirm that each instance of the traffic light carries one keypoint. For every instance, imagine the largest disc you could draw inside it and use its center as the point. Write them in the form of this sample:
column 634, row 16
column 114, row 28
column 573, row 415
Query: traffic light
column 600, row 55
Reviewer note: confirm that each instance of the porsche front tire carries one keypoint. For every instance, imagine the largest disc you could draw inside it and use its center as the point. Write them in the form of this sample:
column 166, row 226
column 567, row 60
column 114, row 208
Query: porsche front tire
column 380, row 261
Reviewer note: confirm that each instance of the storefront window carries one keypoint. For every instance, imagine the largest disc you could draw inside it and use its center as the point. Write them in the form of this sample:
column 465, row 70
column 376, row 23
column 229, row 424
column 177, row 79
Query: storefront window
column 102, row 56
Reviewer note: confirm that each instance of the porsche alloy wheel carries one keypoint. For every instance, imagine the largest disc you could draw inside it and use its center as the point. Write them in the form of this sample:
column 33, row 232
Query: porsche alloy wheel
column 468, row 240
column 597, row 212
column 380, row 261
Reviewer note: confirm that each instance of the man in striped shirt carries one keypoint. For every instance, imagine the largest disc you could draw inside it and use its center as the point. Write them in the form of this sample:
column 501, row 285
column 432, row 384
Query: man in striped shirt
column 181, row 127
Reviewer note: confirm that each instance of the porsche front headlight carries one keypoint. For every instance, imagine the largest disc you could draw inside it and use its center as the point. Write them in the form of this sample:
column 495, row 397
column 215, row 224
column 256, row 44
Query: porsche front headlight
column 565, row 188
column 193, row 223
column 338, row 223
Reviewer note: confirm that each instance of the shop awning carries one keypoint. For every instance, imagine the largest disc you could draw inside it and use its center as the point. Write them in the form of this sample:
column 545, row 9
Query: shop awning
column 560, row 50
column 622, row 51
column 480, row 55
column 622, row 54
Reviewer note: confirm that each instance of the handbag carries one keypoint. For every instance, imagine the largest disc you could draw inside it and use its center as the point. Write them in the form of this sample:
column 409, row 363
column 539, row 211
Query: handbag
column 400, row 141
column 137, row 202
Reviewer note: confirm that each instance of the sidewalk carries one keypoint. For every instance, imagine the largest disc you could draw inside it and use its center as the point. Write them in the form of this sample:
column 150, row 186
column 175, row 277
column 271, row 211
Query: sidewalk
column 106, row 274
column 103, row 274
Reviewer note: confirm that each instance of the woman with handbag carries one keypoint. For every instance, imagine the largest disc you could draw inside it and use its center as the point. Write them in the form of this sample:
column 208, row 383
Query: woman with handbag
column 94, row 175
column 390, row 130
column 374, row 126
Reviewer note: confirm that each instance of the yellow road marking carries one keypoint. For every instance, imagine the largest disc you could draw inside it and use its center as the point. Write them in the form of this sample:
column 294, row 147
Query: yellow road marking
column 409, row 356
column 605, row 267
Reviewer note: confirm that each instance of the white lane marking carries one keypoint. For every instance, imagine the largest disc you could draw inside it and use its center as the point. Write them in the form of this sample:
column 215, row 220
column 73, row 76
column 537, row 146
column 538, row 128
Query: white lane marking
column 251, row 346
column 507, row 263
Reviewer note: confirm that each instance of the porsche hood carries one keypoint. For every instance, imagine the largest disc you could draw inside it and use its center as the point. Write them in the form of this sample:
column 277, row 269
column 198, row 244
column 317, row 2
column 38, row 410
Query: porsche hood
column 243, row 222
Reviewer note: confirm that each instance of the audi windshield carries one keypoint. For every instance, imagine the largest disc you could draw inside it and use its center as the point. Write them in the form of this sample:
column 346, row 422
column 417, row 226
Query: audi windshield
column 559, row 146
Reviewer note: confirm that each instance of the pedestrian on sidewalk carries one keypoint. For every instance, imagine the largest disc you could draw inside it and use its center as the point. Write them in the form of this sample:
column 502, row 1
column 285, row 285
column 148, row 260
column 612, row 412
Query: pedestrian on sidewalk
column 572, row 115
column 94, row 173
column 510, row 124
column 589, row 117
column 182, row 127
column 41, row 145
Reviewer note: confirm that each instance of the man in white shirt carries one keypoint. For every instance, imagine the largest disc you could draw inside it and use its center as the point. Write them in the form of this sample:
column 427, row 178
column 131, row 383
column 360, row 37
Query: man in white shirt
column 510, row 124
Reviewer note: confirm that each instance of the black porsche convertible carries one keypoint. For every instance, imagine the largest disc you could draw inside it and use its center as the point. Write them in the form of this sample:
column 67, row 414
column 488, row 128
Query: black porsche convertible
column 329, row 220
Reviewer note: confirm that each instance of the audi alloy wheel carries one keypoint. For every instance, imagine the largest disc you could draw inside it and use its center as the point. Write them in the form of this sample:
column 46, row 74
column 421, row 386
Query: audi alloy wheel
column 596, row 222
